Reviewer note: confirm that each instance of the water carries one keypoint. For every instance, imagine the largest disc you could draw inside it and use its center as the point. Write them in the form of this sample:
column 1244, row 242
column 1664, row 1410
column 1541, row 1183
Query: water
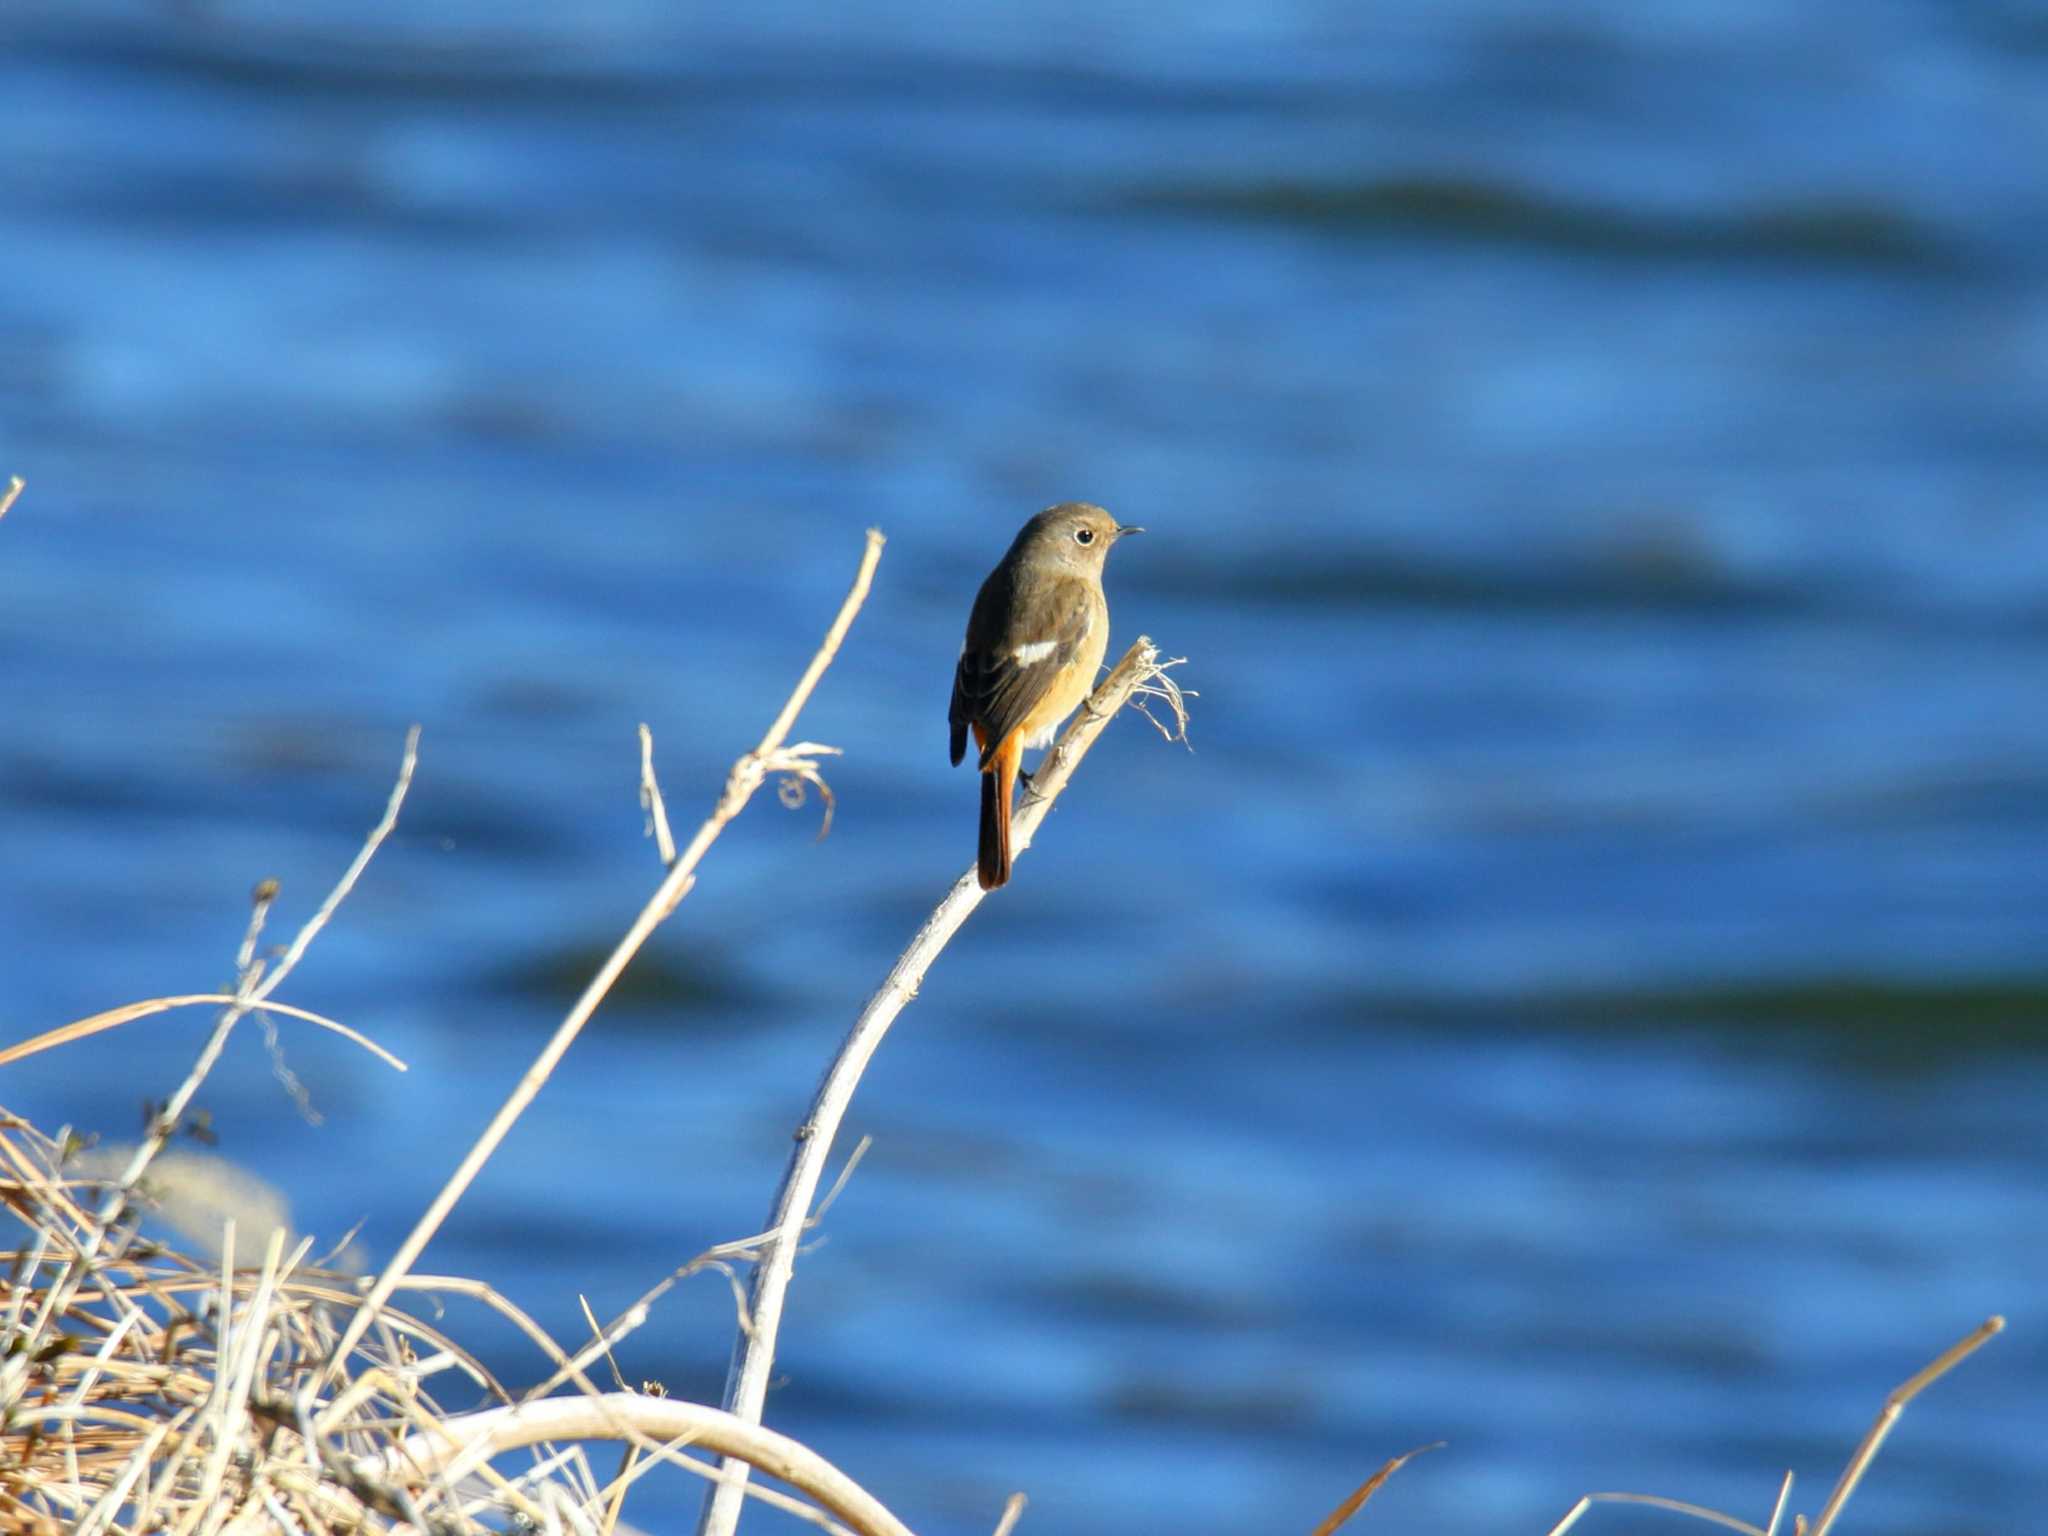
column 1581, row 999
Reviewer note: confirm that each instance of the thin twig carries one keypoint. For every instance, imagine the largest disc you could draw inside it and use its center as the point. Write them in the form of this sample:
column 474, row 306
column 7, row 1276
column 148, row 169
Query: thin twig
column 259, row 994
column 260, row 901
column 1859, row 1462
column 742, row 1250
column 252, row 995
column 652, row 803
column 860, row 1150
column 296, row 950
column 1895, row 1405
column 113, row 1018
column 597, row 1335
column 746, row 1387
column 632, row 1467
column 1653, row 1501
column 746, row 776
column 1372, row 1485
column 1162, row 687
column 1778, row 1509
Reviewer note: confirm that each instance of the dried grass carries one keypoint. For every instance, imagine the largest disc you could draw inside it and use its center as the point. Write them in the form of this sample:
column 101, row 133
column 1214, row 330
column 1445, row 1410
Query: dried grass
column 160, row 1396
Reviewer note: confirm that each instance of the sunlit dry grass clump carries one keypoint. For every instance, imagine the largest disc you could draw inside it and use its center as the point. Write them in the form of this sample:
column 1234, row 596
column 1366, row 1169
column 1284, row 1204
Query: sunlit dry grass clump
column 147, row 1390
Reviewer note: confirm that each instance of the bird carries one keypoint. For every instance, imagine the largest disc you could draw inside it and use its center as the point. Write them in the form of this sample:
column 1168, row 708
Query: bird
column 1035, row 640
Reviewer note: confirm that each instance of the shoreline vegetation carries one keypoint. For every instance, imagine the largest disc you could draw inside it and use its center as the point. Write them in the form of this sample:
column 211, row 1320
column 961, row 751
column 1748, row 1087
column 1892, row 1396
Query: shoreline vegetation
column 243, row 1386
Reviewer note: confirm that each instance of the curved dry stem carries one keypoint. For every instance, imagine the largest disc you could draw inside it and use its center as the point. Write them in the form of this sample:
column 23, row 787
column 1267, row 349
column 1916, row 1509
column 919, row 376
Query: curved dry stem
column 754, row 1349
column 476, row 1437
column 1654, row 1501
column 114, row 1018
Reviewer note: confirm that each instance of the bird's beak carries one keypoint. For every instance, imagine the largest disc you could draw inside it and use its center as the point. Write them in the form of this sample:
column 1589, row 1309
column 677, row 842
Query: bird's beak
column 1122, row 531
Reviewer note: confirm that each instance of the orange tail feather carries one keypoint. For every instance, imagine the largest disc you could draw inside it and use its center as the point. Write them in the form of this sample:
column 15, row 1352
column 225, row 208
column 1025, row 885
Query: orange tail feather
column 997, row 784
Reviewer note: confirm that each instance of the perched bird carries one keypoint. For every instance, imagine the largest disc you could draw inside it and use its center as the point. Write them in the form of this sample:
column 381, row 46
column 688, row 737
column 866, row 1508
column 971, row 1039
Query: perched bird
column 1035, row 641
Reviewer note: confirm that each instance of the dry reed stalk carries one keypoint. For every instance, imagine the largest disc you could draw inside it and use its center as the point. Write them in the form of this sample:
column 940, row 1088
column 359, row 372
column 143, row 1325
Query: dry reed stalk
column 1852, row 1474
column 769, row 757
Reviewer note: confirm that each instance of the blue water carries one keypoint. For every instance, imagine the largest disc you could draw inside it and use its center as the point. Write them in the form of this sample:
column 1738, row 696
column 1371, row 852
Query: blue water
column 1582, row 998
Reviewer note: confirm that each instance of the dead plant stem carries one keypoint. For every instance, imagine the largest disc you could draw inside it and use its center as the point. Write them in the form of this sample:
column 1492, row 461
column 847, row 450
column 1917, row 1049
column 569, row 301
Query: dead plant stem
column 747, row 775
column 753, row 1357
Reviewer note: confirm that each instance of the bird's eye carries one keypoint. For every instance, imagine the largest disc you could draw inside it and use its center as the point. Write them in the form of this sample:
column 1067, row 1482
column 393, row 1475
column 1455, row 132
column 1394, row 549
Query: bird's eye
column 1084, row 535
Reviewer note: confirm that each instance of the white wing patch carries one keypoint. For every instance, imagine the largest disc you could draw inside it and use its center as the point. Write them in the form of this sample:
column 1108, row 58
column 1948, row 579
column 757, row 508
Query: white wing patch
column 1036, row 651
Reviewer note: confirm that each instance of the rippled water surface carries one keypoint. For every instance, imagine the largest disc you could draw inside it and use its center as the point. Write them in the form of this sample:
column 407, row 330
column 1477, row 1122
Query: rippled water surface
column 1583, row 996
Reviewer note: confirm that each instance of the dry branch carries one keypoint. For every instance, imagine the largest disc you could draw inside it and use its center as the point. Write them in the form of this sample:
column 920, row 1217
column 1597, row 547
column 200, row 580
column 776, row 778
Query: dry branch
column 754, row 1349
column 1894, row 1405
column 653, row 1420
column 771, row 755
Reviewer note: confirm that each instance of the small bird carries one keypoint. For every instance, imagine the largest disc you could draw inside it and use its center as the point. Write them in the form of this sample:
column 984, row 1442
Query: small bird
column 1035, row 641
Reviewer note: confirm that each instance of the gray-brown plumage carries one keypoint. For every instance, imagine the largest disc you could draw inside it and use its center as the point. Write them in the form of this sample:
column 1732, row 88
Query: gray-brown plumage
column 1035, row 640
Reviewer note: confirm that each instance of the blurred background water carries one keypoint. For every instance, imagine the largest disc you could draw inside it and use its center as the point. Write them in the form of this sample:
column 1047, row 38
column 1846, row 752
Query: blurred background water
column 1581, row 998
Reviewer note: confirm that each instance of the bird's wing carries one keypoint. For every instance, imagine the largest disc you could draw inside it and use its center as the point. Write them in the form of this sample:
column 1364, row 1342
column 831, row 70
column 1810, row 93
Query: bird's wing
column 997, row 685
column 959, row 714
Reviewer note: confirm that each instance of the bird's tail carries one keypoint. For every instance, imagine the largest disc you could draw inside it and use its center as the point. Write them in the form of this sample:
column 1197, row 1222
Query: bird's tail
column 993, row 864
